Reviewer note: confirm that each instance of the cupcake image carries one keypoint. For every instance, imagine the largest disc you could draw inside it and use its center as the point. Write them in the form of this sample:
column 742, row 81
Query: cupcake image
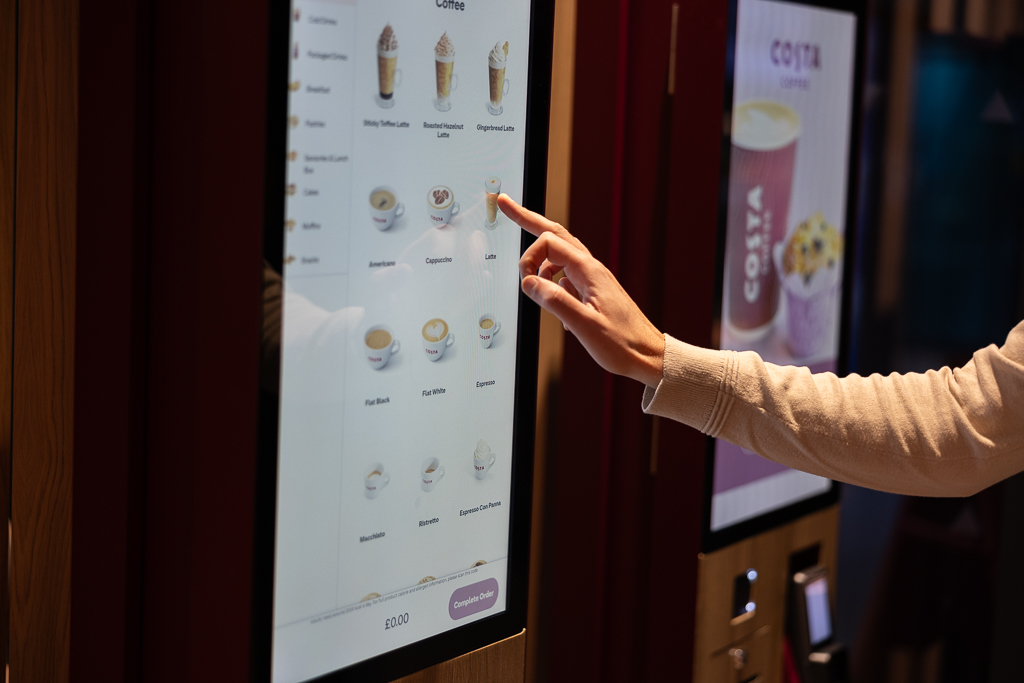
column 809, row 262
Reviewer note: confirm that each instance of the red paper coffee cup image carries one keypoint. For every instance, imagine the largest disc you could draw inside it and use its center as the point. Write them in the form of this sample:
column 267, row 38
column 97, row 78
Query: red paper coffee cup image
column 764, row 137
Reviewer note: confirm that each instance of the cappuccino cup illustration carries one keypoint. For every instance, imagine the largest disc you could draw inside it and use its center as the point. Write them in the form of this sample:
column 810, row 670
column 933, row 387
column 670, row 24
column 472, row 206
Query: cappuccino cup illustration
column 375, row 479
column 436, row 338
column 385, row 207
column 487, row 327
column 431, row 472
column 380, row 345
column 483, row 458
column 441, row 205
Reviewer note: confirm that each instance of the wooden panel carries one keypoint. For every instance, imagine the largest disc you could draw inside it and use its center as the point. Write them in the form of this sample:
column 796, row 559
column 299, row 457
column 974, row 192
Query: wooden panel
column 8, row 131
column 502, row 662
column 769, row 554
column 44, row 339
column 747, row 660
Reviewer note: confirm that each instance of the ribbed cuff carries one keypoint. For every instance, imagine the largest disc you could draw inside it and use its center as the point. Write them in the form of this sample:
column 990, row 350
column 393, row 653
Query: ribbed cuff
column 691, row 388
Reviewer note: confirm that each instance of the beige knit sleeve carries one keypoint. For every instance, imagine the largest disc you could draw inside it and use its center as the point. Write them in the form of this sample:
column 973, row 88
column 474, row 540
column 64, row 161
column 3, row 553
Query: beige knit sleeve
column 950, row 432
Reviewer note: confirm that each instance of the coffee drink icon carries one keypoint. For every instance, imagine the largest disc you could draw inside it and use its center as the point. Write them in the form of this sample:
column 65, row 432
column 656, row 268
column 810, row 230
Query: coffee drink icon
column 496, row 61
column 385, row 207
column 380, row 345
column 431, row 472
column 444, row 65
column 388, row 76
column 436, row 338
column 492, row 187
column 483, row 458
column 375, row 479
column 441, row 205
column 487, row 327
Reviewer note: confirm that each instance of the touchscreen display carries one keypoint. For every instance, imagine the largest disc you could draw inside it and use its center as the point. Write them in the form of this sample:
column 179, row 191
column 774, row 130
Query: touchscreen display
column 400, row 308
column 819, row 618
column 785, row 220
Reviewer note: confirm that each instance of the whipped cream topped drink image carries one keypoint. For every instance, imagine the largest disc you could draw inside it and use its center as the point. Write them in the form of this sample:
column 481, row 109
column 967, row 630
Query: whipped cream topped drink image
column 375, row 479
column 380, row 346
column 492, row 187
column 388, row 75
column 496, row 76
column 483, row 458
column 436, row 338
column 441, row 205
column 444, row 65
column 385, row 207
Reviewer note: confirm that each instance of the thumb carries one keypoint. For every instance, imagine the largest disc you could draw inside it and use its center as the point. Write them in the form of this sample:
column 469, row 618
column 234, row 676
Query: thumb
column 556, row 300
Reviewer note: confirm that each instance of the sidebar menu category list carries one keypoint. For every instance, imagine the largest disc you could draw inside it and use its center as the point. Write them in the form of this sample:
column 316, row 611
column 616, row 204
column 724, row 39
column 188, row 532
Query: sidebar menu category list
column 320, row 122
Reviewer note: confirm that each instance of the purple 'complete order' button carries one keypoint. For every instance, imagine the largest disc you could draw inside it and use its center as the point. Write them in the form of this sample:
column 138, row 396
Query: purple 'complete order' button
column 473, row 598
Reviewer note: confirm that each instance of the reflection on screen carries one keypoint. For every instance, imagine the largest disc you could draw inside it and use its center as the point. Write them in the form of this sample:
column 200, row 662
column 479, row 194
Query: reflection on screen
column 788, row 164
column 406, row 120
column 819, row 619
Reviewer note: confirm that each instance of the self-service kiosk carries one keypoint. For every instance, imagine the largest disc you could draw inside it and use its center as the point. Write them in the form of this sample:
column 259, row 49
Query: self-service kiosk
column 400, row 435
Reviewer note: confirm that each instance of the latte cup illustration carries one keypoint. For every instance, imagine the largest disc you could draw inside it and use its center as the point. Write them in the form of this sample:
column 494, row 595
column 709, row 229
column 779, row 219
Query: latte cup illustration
column 444, row 66
column 380, row 345
column 431, row 472
column 388, row 76
column 488, row 327
column 436, row 338
column 496, row 77
column 483, row 458
column 375, row 479
column 385, row 207
column 764, row 140
column 492, row 188
column 441, row 205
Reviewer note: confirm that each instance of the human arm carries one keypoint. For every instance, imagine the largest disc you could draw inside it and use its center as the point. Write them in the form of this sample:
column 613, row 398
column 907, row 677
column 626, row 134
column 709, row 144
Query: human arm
column 941, row 433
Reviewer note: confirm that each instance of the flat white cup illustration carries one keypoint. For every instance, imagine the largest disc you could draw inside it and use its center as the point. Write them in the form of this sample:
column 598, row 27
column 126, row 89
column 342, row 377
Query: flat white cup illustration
column 483, row 458
column 431, row 472
column 385, row 207
column 488, row 327
column 441, row 205
column 436, row 338
column 375, row 479
column 380, row 345
column 492, row 187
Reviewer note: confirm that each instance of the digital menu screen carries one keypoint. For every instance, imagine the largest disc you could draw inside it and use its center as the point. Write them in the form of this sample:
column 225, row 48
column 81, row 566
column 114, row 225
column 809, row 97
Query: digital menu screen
column 789, row 160
column 406, row 119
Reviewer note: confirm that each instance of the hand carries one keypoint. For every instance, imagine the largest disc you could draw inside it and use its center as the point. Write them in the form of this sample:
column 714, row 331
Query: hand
column 589, row 301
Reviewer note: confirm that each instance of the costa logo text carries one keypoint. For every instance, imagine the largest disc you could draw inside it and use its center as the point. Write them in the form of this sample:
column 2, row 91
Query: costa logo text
column 796, row 56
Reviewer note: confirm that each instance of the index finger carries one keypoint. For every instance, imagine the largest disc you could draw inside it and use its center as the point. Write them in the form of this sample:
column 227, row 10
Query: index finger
column 535, row 223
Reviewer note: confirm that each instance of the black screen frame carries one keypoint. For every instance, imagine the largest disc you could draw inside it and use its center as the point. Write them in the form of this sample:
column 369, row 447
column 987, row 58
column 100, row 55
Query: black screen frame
column 463, row 639
column 715, row 540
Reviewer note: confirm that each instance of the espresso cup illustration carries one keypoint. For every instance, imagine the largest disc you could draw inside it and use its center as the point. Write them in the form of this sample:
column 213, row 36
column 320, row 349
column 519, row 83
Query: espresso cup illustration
column 492, row 187
column 496, row 77
column 388, row 75
column 436, row 338
column 385, row 207
column 444, row 66
column 431, row 472
column 375, row 479
column 483, row 458
column 441, row 205
column 764, row 137
column 488, row 328
column 380, row 345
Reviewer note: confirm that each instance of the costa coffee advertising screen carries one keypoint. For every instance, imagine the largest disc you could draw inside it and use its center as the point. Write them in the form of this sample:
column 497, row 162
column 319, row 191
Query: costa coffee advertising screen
column 401, row 331
column 785, row 220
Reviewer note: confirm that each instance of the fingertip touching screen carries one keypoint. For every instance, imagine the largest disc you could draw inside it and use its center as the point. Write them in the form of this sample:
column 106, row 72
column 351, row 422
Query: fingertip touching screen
column 406, row 120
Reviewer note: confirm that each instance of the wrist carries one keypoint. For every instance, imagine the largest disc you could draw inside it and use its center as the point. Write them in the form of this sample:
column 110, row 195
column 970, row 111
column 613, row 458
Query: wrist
column 650, row 367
